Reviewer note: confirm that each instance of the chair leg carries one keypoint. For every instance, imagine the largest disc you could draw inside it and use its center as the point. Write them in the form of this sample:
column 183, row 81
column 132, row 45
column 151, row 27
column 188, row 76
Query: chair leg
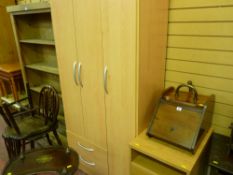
column 13, row 147
column 32, row 143
column 57, row 137
column 9, row 147
column 23, row 146
column 49, row 140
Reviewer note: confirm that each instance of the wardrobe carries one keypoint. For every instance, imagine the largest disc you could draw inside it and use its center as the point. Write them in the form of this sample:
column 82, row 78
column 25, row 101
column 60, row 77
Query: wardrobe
column 111, row 61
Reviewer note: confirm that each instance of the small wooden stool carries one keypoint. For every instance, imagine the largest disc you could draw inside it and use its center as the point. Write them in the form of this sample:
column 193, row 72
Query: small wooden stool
column 10, row 73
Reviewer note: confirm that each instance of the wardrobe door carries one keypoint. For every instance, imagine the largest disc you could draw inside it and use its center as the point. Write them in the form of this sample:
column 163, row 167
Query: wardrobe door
column 64, row 31
column 119, row 34
column 87, row 15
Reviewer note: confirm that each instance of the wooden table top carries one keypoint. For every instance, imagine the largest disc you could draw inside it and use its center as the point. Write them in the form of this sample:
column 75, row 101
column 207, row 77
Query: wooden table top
column 10, row 67
column 176, row 157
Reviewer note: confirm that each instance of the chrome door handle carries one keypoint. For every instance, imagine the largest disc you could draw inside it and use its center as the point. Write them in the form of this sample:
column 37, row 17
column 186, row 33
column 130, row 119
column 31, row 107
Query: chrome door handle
column 85, row 148
column 79, row 74
column 74, row 72
column 105, row 79
column 86, row 162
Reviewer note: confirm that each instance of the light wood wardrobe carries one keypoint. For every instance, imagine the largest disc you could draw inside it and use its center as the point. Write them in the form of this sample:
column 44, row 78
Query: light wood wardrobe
column 111, row 59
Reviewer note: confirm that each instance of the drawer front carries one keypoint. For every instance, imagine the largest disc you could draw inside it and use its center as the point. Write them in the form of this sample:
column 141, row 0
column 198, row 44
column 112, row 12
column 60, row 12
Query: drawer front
column 93, row 160
column 142, row 165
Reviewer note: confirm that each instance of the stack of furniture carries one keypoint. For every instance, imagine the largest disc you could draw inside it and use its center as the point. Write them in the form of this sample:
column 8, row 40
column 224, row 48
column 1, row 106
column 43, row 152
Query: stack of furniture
column 32, row 124
column 33, row 31
column 111, row 59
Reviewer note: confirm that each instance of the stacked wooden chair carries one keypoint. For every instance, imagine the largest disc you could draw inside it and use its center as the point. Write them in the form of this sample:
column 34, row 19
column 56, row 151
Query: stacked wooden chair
column 32, row 123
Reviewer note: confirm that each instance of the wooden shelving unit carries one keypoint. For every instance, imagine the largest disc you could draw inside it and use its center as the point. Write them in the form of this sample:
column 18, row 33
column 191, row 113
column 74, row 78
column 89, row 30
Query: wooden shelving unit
column 43, row 67
column 33, row 31
column 37, row 41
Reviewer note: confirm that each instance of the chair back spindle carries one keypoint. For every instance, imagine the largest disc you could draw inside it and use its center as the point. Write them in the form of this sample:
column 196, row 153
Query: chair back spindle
column 49, row 104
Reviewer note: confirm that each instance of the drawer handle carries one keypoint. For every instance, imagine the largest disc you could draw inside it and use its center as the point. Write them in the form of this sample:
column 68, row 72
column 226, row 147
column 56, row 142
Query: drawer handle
column 87, row 149
column 86, row 162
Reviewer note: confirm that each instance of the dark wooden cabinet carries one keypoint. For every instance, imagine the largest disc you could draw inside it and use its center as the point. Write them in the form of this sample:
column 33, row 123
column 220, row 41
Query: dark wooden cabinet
column 220, row 162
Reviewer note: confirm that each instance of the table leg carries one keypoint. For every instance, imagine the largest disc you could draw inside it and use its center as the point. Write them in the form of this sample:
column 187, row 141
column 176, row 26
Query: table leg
column 3, row 88
column 14, row 89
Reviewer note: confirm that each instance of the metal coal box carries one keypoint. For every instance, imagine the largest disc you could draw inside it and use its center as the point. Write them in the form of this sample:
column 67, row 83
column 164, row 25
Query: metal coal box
column 182, row 117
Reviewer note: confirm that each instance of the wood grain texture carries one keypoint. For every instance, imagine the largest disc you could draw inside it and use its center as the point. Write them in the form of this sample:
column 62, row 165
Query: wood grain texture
column 119, row 43
column 128, row 26
column 90, row 55
column 73, row 113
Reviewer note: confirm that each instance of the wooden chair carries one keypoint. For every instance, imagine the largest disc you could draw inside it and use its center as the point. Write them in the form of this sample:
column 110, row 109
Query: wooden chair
column 32, row 124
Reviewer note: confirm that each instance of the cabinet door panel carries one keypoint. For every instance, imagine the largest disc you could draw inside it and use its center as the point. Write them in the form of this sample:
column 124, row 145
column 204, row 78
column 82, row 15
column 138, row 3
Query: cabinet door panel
column 62, row 15
column 120, row 58
column 87, row 15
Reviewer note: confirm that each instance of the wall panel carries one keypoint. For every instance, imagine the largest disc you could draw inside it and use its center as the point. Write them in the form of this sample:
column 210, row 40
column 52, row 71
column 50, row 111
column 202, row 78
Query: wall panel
column 201, row 80
column 200, row 48
column 213, row 70
column 223, row 29
column 199, row 3
column 208, row 14
column 201, row 42
column 201, row 56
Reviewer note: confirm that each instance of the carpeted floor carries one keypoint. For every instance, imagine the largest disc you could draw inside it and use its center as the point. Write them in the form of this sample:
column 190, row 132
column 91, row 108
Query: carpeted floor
column 3, row 153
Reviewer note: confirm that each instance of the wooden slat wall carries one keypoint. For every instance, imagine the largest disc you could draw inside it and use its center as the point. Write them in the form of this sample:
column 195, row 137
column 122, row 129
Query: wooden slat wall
column 200, row 48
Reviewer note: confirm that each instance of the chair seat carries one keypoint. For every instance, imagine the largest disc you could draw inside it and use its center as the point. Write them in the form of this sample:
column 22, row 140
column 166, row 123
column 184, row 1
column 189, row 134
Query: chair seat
column 29, row 126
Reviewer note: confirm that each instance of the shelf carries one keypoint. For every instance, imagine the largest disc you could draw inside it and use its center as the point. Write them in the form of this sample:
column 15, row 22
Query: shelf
column 37, row 41
column 43, row 67
column 37, row 89
column 29, row 8
column 32, row 24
